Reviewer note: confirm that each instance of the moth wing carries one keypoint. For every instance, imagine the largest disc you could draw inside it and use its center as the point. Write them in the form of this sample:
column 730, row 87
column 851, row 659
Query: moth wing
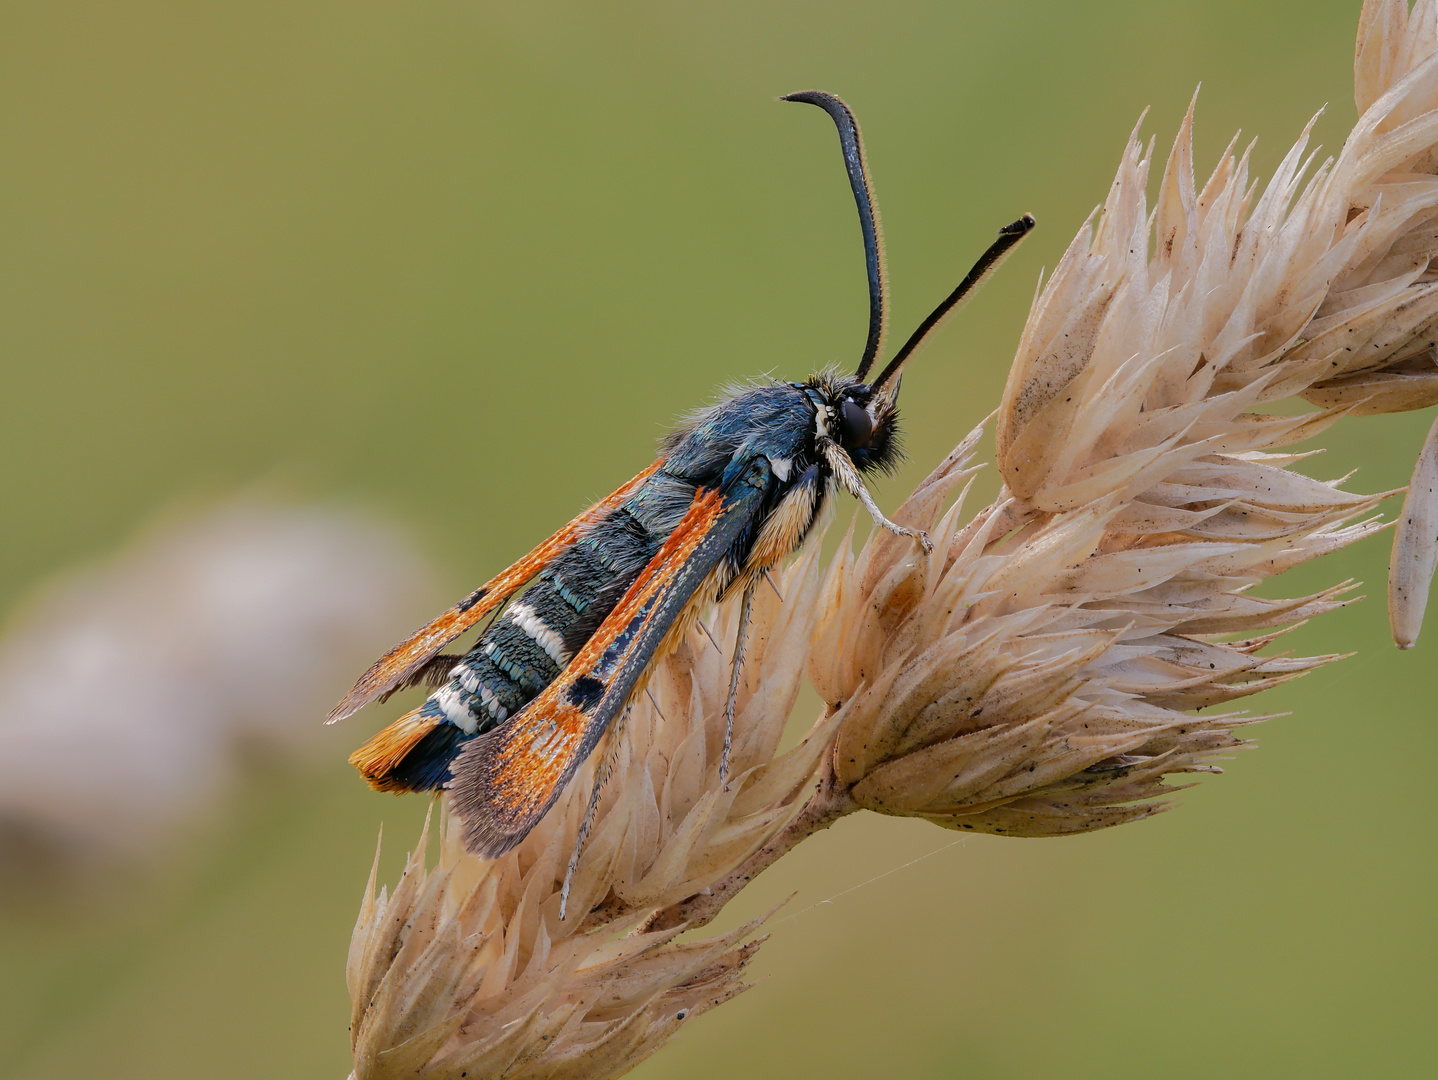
column 396, row 667
column 504, row 781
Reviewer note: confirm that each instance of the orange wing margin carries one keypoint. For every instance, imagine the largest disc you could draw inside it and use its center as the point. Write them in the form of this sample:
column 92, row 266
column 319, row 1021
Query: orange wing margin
column 411, row 654
column 504, row 781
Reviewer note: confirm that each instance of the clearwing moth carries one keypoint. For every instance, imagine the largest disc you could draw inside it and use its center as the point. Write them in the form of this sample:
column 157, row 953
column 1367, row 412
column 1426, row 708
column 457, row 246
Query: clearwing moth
column 577, row 623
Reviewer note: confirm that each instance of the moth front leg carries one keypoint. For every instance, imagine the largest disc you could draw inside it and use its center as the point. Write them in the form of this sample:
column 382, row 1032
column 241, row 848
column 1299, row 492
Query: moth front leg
column 849, row 479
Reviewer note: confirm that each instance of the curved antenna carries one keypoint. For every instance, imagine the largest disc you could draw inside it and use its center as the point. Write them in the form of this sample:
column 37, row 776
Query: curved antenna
column 868, row 214
column 999, row 250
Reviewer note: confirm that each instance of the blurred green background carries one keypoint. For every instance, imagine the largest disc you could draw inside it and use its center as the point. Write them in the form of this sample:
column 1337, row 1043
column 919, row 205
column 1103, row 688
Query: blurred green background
column 461, row 263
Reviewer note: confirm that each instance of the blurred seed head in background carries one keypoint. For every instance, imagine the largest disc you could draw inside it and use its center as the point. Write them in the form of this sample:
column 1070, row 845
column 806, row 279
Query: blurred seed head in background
column 133, row 690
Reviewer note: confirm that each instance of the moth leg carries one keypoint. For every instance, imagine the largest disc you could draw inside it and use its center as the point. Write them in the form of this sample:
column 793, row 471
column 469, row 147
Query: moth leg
column 601, row 774
column 773, row 585
column 710, row 635
column 848, row 476
column 746, row 608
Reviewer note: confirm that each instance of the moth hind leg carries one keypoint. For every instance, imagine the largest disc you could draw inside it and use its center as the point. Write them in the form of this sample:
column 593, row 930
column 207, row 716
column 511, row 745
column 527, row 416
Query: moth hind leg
column 746, row 610
column 601, row 776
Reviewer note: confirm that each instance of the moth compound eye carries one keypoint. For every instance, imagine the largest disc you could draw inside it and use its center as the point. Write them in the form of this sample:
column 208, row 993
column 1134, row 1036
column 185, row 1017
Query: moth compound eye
column 856, row 427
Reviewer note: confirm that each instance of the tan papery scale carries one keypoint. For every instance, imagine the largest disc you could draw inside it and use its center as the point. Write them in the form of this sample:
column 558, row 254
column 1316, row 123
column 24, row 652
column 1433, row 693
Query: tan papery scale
column 1040, row 672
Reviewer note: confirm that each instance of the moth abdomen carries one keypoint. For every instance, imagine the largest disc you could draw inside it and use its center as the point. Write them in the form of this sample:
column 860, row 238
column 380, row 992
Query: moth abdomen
column 520, row 654
column 426, row 765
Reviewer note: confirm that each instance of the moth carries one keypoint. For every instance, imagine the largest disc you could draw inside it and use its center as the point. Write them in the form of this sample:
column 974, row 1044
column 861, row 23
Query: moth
column 577, row 623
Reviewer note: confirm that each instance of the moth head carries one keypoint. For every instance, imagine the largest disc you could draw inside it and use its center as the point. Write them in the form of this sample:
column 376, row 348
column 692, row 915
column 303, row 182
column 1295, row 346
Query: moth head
column 862, row 421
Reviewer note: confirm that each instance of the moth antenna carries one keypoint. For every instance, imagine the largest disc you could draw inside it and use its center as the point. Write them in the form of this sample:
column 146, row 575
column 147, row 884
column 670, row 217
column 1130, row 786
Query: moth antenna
column 989, row 261
column 857, row 168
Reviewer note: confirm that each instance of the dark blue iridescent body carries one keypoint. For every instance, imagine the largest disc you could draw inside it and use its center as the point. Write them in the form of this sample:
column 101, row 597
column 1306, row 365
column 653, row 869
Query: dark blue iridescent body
column 530, row 643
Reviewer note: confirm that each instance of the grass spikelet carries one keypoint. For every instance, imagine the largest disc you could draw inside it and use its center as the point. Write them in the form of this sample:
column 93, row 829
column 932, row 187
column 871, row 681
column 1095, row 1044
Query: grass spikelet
column 466, row 968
